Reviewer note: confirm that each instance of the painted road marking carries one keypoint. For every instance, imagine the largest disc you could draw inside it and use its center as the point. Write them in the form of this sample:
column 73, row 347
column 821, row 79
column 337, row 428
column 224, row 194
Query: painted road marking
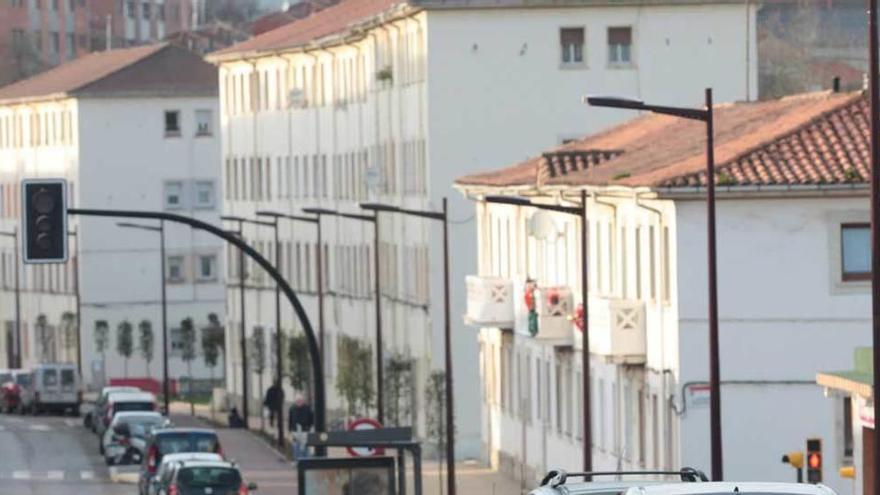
column 21, row 475
column 87, row 475
column 40, row 427
column 55, row 475
column 71, row 422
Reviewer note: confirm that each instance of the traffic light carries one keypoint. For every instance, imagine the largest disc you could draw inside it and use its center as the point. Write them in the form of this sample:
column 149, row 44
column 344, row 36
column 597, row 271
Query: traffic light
column 44, row 220
column 814, row 460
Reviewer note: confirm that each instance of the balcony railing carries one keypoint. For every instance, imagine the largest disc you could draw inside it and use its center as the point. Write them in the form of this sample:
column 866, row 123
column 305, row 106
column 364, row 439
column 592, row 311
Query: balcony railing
column 489, row 301
column 617, row 329
column 554, row 306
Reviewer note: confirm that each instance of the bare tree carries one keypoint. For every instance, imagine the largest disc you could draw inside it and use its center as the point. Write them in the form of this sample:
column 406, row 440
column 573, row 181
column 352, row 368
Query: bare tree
column 146, row 340
column 125, row 342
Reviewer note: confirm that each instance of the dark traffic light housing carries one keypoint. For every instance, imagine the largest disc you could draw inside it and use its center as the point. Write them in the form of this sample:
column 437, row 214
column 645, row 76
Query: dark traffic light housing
column 814, row 460
column 44, row 220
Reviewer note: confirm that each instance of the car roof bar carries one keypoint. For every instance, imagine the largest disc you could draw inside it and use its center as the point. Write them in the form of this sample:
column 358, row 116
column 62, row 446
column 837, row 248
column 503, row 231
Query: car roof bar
column 558, row 477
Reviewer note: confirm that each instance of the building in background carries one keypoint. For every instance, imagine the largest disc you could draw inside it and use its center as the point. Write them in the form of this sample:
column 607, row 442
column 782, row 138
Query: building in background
column 391, row 101
column 130, row 129
column 790, row 172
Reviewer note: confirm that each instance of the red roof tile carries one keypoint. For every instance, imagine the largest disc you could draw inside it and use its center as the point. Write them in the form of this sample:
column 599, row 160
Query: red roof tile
column 332, row 20
column 817, row 138
column 159, row 68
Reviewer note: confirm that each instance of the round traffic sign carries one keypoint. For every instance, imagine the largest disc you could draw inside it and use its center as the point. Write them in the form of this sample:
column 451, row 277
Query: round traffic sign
column 364, row 424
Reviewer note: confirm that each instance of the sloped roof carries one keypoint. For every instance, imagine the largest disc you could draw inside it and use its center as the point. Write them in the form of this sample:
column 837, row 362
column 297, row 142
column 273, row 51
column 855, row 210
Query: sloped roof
column 159, row 68
column 815, row 138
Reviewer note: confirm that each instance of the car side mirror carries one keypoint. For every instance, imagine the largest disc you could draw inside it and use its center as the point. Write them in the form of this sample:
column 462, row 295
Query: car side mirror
column 252, row 487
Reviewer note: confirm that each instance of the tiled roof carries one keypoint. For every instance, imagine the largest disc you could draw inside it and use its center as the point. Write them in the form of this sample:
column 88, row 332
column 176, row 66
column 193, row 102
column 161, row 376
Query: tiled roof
column 159, row 68
column 332, row 20
column 816, row 138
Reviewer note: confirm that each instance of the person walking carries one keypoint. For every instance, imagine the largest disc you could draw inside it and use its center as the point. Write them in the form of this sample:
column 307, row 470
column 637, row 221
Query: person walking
column 274, row 402
column 301, row 419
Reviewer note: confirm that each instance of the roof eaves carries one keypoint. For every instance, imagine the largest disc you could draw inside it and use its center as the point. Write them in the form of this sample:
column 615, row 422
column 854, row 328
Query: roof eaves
column 35, row 99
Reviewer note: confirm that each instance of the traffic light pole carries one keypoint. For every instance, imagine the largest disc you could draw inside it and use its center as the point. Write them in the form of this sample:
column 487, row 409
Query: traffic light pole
column 317, row 367
column 14, row 235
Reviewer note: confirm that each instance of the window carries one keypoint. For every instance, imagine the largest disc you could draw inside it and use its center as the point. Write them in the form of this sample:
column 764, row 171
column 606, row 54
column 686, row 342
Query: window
column 855, row 241
column 70, row 48
column 619, row 45
column 130, row 8
column 175, row 266
column 207, row 267
column 160, row 11
column 172, row 123
column 56, row 42
column 55, row 5
column 847, row 428
column 203, row 122
column 572, row 44
column 146, row 8
column 204, row 194
column 71, row 5
column 173, row 195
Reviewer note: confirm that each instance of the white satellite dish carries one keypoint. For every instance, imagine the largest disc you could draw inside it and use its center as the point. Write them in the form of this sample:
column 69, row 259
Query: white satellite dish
column 543, row 226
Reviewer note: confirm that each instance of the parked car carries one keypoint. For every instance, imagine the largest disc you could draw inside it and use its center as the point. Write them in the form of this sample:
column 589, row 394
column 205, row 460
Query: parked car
column 170, row 461
column 732, row 488
column 10, row 397
column 558, row 482
column 120, row 444
column 203, row 477
column 5, row 376
column 56, row 388
column 123, row 401
column 25, row 381
column 98, row 411
column 174, row 441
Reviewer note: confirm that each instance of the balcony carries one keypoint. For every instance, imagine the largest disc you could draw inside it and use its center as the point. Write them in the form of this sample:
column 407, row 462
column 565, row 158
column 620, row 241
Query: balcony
column 617, row 330
column 554, row 307
column 489, row 302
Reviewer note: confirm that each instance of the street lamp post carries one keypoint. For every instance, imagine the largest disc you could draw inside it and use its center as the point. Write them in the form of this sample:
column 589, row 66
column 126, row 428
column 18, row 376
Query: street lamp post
column 705, row 115
column 442, row 216
column 581, row 212
column 16, row 250
column 380, row 387
column 874, row 90
column 316, row 222
column 166, row 389
column 76, row 294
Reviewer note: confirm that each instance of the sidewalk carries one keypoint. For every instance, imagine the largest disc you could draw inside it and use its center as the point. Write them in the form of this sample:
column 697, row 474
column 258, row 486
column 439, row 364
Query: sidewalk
column 275, row 475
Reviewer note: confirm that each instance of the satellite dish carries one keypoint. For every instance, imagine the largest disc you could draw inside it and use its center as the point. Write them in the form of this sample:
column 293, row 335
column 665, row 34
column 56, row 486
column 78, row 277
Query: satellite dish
column 543, row 226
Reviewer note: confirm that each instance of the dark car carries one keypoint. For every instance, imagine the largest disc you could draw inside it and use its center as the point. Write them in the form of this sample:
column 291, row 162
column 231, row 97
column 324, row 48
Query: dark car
column 201, row 477
column 174, row 441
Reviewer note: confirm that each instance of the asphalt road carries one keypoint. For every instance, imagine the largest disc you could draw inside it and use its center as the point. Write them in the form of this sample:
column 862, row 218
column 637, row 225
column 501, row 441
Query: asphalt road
column 52, row 455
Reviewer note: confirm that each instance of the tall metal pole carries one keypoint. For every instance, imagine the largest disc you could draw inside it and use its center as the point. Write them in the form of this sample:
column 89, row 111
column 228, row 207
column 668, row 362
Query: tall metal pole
column 243, row 341
column 447, row 337
column 319, row 260
column 166, row 388
column 279, row 417
column 714, row 359
column 77, row 298
column 586, row 415
column 380, row 386
column 19, row 360
column 873, row 67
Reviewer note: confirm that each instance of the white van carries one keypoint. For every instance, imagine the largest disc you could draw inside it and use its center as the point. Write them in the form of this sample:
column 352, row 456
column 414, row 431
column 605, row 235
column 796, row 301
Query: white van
column 56, row 388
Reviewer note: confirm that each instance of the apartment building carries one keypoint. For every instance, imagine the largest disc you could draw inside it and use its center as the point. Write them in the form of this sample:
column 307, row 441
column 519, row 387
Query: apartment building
column 793, row 290
column 131, row 129
column 391, row 101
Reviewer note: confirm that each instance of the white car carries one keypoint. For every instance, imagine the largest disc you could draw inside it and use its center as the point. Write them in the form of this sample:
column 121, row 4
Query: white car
column 560, row 482
column 732, row 488
column 119, row 402
column 170, row 460
column 124, row 431
column 98, row 411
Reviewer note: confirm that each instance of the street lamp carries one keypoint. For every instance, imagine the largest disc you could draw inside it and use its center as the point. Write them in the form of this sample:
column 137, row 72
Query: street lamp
column 76, row 294
column 581, row 212
column 166, row 392
column 450, row 421
column 874, row 90
column 16, row 249
column 705, row 115
column 314, row 221
column 380, row 388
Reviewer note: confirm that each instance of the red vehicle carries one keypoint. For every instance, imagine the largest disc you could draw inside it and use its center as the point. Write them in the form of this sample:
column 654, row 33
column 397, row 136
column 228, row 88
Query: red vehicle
column 10, row 397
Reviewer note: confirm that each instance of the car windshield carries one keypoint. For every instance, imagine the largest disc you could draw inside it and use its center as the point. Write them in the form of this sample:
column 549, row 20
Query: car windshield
column 5, row 377
column 141, row 426
column 23, row 380
column 133, row 406
column 175, row 443
column 201, row 477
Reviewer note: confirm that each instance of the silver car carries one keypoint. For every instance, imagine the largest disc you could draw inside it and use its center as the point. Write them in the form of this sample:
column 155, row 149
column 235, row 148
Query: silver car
column 123, row 440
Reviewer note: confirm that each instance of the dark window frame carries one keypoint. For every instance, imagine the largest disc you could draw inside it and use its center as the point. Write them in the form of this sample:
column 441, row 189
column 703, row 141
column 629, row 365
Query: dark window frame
column 852, row 276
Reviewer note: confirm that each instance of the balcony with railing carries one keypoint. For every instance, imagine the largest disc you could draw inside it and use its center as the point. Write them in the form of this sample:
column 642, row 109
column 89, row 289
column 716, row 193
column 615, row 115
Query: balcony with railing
column 489, row 302
column 617, row 330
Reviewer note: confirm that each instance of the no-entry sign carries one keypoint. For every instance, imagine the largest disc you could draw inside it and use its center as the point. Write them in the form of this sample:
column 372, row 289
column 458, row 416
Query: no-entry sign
column 364, row 424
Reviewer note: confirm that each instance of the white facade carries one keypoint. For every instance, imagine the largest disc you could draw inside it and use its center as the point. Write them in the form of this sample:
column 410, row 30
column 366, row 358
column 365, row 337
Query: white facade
column 780, row 290
column 120, row 153
column 421, row 98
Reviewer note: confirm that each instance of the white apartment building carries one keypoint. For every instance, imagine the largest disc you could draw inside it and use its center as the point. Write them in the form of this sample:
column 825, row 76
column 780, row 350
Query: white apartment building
column 131, row 129
column 793, row 257
column 391, row 101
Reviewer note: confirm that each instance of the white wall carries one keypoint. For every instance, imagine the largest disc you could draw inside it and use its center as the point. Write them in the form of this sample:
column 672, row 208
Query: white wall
column 783, row 317
column 124, row 160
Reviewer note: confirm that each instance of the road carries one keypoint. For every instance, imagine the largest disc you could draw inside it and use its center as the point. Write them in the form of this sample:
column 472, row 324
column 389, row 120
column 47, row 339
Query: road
column 52, row 455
